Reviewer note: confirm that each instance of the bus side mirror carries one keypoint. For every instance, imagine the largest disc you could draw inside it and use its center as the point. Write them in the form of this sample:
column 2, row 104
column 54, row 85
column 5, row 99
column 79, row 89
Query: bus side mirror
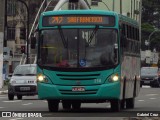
column 33, row 42
column 123, row 41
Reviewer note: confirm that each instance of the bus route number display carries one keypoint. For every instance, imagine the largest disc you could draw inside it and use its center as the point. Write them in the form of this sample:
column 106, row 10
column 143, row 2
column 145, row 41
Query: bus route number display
column 78, row 20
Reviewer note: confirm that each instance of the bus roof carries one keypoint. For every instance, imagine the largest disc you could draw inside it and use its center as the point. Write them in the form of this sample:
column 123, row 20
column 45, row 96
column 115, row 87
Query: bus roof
column 128, row 20
column 63, row 12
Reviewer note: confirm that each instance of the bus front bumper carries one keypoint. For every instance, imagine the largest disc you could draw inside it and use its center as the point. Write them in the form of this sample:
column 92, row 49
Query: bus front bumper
column 97, row 92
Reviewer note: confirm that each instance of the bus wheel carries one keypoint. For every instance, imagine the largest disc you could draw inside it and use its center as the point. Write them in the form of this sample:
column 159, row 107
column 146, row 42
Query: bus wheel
column 66, row 104
column 76, row 105
column 130, row 103
column 115, row 105
column 53, row 105
column 123, row 104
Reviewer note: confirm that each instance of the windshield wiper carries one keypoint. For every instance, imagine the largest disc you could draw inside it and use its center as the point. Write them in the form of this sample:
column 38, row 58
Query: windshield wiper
column 93, row 34
column 62, row 37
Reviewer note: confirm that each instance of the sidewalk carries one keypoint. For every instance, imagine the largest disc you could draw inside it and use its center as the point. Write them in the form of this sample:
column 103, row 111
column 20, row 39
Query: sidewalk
column 4, row 90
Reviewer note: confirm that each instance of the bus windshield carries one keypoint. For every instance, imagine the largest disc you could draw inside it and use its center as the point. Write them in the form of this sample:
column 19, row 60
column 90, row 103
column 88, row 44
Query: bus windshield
column 78, row 48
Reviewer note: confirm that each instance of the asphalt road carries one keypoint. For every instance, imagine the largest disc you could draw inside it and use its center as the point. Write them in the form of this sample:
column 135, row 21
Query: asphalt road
column 148, row 101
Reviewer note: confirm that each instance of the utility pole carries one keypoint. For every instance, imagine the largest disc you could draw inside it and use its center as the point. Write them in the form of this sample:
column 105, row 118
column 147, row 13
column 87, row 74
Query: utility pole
column 120, row 6
column 27, row 9
column 2, row 14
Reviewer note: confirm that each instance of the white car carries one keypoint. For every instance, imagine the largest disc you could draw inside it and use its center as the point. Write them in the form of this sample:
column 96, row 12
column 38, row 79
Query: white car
column 23, row 81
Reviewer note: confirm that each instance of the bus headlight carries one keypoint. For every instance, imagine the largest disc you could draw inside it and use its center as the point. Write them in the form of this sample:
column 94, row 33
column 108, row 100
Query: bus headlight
column 114, row 78
column 41, row 78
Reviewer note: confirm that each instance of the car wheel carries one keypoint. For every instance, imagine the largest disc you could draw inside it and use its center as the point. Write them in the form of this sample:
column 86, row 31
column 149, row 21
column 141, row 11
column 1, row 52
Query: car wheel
column 19, row 97
column 53, row 105
column 10, row 97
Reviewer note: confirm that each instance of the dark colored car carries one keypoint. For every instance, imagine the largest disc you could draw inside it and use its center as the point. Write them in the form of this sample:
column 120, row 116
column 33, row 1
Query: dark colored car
column 150, row 76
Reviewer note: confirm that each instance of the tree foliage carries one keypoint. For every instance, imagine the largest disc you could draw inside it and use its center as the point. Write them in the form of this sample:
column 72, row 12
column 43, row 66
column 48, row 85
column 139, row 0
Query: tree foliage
column 150, row 22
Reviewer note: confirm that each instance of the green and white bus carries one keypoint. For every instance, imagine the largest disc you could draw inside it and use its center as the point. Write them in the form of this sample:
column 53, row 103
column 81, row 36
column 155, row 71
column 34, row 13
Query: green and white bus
column 87, row 56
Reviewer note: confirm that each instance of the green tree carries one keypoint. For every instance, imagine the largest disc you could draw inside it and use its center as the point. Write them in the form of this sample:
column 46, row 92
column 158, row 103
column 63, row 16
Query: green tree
column 150, row 22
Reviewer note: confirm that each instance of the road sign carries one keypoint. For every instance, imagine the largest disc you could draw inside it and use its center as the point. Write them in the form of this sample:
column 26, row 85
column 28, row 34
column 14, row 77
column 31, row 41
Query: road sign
column 148, row 60
column 155, row 57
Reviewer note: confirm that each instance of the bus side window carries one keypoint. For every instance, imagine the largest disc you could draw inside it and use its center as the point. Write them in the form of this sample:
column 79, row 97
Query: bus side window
column 123, row 36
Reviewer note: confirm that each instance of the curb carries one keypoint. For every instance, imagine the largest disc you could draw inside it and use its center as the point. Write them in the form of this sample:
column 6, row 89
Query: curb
column 4, row 92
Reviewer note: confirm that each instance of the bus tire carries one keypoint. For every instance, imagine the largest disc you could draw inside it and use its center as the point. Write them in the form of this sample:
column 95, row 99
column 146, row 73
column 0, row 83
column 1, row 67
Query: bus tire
column 76, row 105
column 122, row 104
column 130, row 102
column 53, row 105
column 115, row 105
column 66, row 104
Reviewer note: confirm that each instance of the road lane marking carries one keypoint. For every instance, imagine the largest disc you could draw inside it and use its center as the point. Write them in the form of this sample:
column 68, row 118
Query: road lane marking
column 140, row 100
column 1, row 107
column 45, row 101
column 27, row 104
column 12, row 101
column 152, row 98
column 2, row 97
column 151, row 94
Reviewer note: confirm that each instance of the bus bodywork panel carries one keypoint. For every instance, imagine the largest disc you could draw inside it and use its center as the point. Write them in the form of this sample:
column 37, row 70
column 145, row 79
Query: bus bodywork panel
column 96, row 87
column 98, row 92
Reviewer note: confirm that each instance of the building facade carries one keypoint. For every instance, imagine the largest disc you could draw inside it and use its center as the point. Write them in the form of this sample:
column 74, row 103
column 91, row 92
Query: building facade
column 130, row 8
column 16, row 22
column 16, row 30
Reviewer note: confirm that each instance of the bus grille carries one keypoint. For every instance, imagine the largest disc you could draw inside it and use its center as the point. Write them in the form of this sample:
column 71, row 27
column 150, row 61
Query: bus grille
column 78, row 76
column 69, row 92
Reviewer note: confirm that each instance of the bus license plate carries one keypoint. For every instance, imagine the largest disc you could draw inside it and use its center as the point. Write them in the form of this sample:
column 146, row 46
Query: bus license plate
column 24, row 88
column 78, row 89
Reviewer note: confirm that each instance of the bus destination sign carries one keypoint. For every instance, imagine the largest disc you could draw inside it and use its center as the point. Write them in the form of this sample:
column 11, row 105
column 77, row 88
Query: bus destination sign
column 78, row 20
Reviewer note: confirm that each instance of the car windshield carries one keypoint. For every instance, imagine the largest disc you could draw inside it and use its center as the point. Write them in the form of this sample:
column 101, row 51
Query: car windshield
column 78, row 48
column 25, row 70
column 149, row 70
